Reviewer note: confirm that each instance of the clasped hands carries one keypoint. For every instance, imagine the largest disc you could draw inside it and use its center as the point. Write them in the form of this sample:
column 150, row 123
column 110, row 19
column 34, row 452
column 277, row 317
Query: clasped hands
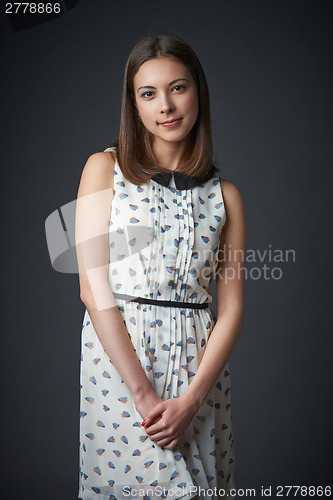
column 167, row 421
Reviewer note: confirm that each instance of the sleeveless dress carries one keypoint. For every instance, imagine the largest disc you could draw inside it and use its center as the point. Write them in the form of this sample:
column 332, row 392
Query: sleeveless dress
column 163, row 246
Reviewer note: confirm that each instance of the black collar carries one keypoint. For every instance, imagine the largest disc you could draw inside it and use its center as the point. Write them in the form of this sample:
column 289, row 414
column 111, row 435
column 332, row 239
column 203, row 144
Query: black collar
column 181, row 181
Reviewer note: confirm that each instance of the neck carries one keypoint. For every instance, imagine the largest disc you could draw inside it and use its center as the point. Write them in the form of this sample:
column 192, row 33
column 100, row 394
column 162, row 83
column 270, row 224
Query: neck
column 170, row 155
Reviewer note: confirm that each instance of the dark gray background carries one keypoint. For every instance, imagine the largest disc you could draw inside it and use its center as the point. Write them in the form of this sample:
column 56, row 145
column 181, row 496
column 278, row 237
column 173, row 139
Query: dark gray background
column 269, row 69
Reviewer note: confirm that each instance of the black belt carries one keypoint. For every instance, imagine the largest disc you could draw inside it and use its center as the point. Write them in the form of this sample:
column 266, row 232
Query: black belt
column 165, row 303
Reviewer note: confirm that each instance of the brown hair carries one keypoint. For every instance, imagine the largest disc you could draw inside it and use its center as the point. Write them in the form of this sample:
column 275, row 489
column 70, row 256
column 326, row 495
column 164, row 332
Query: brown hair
column 133, row 146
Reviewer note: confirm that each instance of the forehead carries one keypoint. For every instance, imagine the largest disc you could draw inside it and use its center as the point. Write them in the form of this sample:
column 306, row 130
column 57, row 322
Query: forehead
column 160, row 70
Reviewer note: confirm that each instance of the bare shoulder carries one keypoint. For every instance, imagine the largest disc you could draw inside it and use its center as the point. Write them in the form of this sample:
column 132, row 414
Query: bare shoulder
column 98, row 173
column 231, row 193
column 232, row 196
column 234, row 207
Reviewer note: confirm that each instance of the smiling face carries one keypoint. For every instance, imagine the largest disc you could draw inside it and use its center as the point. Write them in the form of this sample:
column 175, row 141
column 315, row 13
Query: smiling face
column 165, row 91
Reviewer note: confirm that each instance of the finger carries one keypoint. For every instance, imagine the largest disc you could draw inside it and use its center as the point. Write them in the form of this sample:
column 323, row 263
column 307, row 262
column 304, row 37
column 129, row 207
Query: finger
column 155, row 412
column 164, row 434
column 171, row 445
column 167, row 443
column 156, row 427
column 151, row 422
column 150, row 426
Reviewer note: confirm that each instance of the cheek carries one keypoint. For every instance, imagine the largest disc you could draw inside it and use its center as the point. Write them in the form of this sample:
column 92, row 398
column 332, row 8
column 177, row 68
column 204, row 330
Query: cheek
column 145, row 113
column 192, row 104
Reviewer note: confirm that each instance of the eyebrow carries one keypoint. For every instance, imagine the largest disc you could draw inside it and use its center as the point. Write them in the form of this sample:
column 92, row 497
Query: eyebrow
column 171, row 83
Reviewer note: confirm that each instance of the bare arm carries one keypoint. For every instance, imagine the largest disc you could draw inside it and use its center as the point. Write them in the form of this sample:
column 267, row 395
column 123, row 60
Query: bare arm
column 230, row 299
column 93, row 211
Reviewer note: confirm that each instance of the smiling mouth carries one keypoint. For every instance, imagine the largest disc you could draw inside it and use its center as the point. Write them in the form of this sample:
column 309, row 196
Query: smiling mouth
column 170, row 122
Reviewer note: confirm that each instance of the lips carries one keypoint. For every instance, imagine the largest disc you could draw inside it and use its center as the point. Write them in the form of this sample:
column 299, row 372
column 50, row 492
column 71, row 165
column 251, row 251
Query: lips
column 170, row 121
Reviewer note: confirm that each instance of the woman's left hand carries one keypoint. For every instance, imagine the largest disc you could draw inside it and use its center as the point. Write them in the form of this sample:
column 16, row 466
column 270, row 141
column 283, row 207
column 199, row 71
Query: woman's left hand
column 175, row 416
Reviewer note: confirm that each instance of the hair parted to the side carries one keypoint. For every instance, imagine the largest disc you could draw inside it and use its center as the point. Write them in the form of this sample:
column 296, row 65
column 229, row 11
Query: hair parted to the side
column 134, row 144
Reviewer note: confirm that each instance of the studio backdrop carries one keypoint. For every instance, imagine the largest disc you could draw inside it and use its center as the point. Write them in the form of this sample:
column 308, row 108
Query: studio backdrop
column 268, row 67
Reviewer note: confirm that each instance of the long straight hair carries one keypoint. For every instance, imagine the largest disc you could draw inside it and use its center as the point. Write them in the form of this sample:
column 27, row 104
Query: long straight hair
column 134, row 145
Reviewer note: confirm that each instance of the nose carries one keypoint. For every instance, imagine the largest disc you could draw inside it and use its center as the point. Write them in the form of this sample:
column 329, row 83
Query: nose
column 166, row 104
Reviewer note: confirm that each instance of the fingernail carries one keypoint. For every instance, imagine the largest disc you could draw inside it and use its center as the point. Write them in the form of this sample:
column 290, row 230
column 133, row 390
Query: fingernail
column 143, row 423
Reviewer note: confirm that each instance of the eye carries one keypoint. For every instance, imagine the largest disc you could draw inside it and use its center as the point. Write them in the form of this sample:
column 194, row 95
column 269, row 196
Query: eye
column 179, row 87
column 144, row 94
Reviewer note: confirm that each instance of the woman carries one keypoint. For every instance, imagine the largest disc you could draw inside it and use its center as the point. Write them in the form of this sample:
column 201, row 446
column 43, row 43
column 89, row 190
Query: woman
column 155, row 383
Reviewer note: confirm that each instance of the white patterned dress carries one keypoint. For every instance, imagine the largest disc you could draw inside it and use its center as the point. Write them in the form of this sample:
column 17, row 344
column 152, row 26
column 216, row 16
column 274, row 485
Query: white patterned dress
column 163, row 246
